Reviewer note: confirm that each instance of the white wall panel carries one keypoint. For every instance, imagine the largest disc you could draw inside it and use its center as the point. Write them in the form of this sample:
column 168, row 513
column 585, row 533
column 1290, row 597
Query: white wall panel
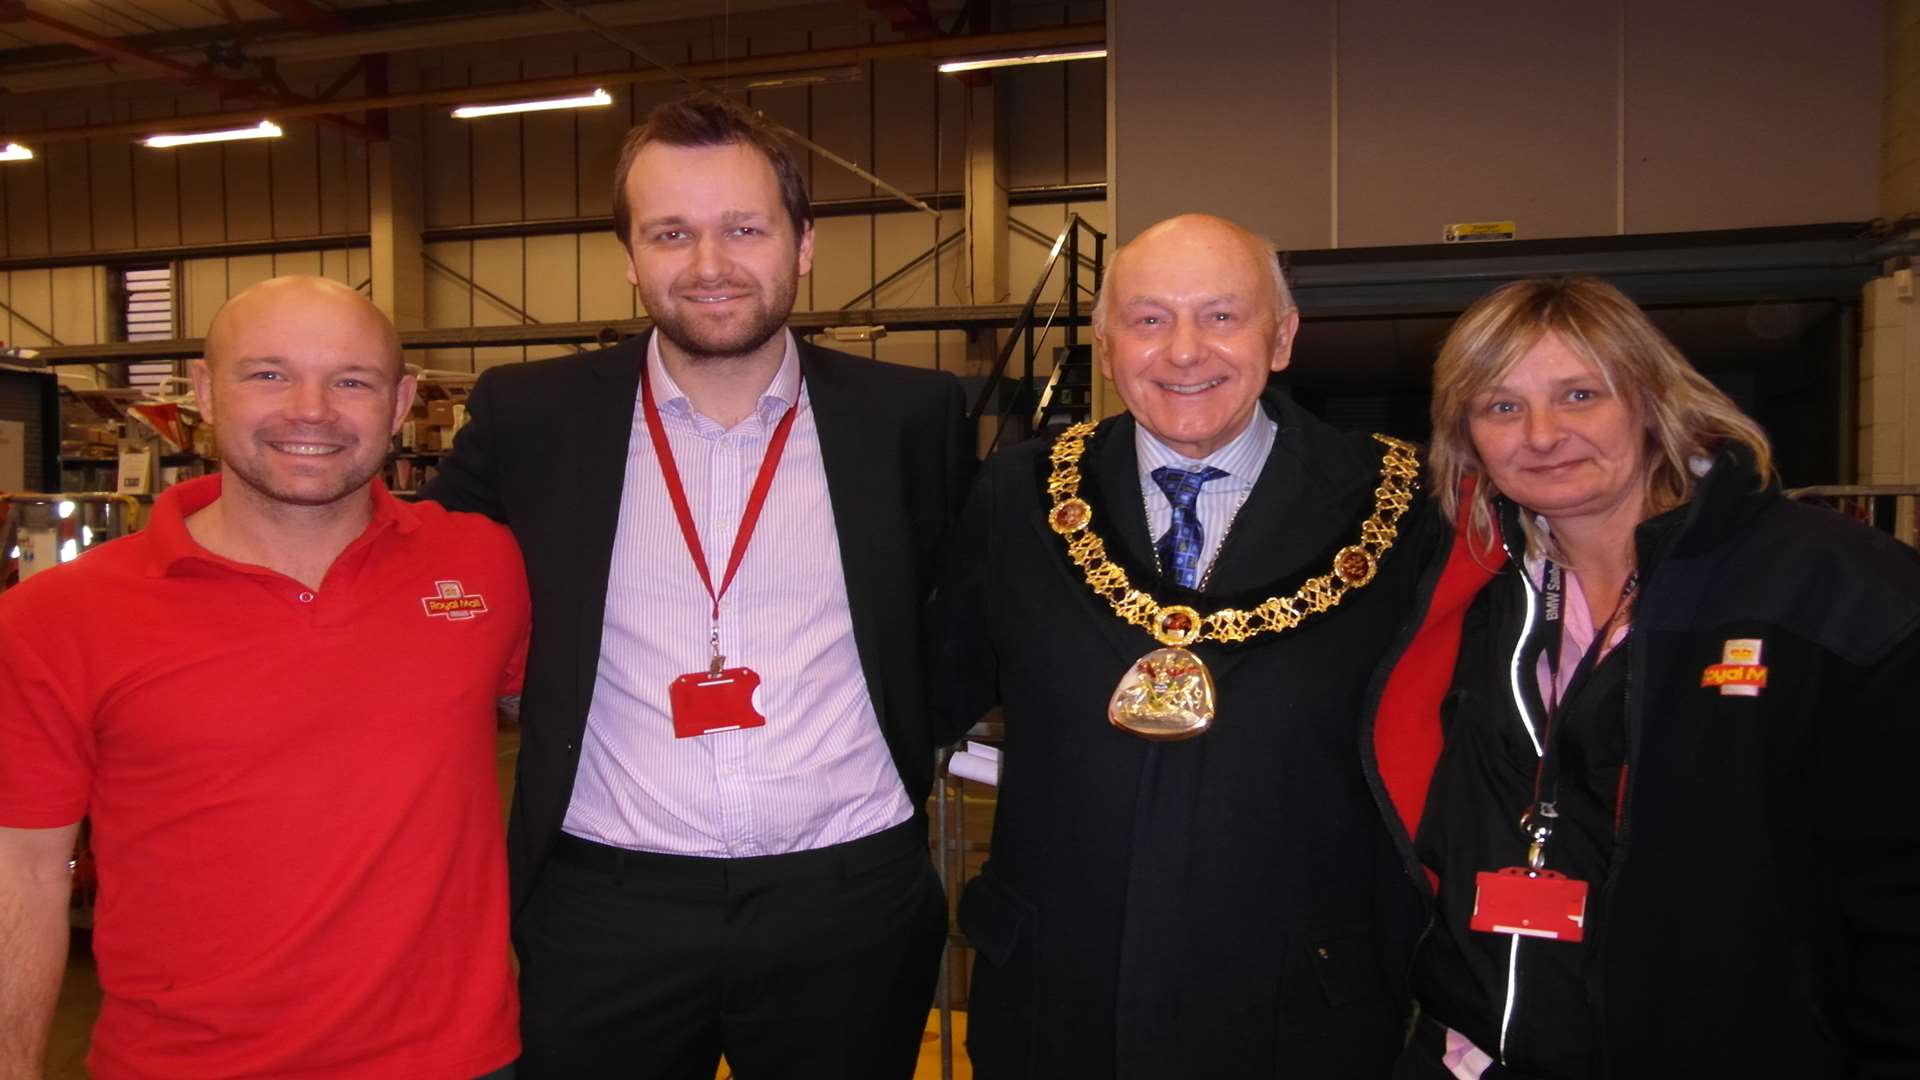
column 249, row 189
column 203, row 192
column 30, row 295
column 1775, row 123
column 244, row 271
column 298, row 262
column 549, row 152
column 26, row 203
column 156, row 184
column 604, row 291
column 449, row 302
column 842, row 262
column 110, row 180
column 78, row 296
column 553, row 278
column 598, row 134
column 69, row 214
column 1468, row 145
column 447, row 156
column 203, row 287
column 295, row 166
column 840, row 119
column 1224, row 106
column 497, row 190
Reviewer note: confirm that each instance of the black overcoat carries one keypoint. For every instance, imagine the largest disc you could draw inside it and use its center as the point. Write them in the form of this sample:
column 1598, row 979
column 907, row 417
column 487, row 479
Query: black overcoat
column 1229, row 905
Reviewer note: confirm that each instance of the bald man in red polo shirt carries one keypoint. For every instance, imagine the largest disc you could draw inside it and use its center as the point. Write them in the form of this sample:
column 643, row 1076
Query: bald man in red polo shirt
column 276, row 705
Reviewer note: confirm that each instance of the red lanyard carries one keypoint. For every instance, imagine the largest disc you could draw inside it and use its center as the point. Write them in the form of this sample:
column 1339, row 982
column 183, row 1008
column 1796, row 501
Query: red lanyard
column 758, row 499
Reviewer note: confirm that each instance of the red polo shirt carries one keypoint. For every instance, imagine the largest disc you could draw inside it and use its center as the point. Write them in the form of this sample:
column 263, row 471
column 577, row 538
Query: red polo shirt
column 295, row 812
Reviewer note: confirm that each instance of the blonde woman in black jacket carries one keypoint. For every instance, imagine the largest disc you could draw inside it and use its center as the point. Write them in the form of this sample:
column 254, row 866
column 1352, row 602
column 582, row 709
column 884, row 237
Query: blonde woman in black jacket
column 1663, row 807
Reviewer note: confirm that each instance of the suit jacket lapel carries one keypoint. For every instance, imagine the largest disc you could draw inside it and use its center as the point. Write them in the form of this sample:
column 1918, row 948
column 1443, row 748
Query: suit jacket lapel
column 851, row 462
column 604, row 415
column 1116, row 475
column 1294, row 511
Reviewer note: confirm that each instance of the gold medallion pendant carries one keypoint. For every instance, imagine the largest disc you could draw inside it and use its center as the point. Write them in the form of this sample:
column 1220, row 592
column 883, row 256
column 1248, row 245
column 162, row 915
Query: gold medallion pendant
column 1169, row 693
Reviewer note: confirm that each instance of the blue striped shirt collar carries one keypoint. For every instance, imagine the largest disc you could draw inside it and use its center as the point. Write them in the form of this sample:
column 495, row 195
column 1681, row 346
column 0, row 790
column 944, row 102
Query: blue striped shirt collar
column 1241, row 459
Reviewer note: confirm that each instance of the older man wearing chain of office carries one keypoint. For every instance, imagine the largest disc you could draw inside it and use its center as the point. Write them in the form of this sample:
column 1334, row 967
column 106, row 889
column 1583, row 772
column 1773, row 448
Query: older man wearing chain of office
column 1180, row 609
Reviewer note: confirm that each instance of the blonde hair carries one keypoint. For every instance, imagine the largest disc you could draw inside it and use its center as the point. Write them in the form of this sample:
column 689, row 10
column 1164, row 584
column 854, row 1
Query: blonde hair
column 1684, row 415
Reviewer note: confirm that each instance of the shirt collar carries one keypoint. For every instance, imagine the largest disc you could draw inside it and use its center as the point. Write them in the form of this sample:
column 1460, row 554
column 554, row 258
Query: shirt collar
column 781, row 393
column 1241, row 459
column 171, row 543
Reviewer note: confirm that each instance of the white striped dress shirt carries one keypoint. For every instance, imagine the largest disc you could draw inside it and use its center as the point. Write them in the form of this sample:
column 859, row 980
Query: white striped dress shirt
column 819, row 772
column 1242, row 459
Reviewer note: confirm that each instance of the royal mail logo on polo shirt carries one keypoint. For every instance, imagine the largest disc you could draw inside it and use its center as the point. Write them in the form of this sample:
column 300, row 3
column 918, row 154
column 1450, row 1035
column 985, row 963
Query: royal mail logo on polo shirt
column 1739, row 672
column 454, row 602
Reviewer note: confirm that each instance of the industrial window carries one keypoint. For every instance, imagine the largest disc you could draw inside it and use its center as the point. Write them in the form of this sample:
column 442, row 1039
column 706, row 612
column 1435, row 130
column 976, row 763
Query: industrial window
column 146, row 314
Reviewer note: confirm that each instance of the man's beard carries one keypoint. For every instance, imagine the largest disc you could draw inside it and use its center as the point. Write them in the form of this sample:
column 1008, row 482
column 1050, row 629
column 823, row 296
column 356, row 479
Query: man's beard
column 740, row 338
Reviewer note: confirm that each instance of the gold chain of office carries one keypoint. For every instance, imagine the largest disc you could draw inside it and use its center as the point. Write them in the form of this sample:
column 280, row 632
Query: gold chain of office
column 1176, row 625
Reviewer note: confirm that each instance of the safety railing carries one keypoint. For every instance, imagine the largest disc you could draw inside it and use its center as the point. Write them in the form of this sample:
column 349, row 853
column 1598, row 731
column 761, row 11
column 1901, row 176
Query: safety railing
column 1014, row 399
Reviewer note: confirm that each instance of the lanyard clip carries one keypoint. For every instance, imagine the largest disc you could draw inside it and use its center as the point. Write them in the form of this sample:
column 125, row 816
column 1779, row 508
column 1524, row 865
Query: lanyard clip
column 1538, row 823
column 714, row 660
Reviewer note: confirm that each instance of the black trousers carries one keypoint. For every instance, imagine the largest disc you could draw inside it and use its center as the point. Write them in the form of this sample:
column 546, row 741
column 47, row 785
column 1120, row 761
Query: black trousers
column 818, row 964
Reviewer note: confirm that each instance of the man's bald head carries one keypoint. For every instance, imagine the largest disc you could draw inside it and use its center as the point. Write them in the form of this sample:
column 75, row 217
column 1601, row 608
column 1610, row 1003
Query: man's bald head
column 304, row 385
column 1193, row 319
column 1188, row 229
column 286, row 307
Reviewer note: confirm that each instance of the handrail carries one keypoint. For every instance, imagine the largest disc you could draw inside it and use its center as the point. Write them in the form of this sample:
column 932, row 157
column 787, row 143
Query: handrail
column 1023, row 327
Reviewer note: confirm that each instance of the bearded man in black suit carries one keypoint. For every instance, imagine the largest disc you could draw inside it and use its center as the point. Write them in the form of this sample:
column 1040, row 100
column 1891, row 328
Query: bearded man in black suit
column 718, row 842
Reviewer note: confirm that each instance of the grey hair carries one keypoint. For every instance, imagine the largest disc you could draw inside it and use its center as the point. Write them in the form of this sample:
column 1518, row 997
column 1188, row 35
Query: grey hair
column 1282, row 296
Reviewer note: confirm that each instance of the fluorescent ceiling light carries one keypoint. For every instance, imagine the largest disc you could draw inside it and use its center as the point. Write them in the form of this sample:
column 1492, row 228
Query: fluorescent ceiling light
column 1018, row 59
column 581, row 101
column 13, row 151
column 265, row 129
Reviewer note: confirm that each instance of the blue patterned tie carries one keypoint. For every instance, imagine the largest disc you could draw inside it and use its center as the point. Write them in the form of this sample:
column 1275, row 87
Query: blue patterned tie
column 1180, row 548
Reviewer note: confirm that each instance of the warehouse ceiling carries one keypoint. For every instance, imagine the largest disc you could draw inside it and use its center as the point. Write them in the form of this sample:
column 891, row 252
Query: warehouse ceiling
column 54, row 44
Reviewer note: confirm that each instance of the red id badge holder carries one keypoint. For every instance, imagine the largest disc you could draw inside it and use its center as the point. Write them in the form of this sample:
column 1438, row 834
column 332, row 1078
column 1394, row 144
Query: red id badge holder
column 1529, row 903
column 707, row 702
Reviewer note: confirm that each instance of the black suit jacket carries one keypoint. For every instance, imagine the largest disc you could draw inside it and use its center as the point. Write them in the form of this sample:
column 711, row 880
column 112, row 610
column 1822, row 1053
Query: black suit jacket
column 545, row 451
column 1229, row 905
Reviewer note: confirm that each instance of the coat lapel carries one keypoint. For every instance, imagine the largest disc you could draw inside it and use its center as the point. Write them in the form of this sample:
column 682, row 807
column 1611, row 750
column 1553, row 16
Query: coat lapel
column 1116, row 476
column 1293, row 514
column 854, row 465
column 609, row 389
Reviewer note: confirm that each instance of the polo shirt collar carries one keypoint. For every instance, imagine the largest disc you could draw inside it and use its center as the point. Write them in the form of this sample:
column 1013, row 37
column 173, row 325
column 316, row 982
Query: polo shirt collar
column 779, row 395
column 170, row 543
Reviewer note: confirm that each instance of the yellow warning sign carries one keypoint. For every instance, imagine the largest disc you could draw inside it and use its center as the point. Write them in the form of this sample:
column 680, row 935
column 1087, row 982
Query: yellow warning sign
column 1474, row 232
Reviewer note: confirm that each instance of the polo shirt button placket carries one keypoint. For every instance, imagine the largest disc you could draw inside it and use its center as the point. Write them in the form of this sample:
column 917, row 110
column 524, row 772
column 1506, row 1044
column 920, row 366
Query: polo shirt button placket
column 305, row 596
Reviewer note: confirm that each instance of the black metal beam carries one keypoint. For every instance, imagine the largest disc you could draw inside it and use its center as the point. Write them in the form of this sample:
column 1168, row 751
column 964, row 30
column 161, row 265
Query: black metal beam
column 1831, row 262
column 576, row 333
column 1041, row 194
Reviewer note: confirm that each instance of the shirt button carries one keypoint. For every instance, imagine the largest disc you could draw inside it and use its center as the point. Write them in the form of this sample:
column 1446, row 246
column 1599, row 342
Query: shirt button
column 305, row 598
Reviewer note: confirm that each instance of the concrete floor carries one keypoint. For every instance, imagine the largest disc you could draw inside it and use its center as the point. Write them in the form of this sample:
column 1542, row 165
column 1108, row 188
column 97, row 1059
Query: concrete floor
column 80, row 993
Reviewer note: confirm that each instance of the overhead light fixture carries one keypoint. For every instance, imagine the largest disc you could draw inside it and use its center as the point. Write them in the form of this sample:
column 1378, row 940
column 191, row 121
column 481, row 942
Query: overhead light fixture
column 579, row 101
column 1020, row 59
column 13, row 151
column 265, row 129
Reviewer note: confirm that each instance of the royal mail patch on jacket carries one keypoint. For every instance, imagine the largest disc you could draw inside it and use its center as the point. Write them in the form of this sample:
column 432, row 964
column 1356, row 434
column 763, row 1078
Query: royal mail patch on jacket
column 1739, row 672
